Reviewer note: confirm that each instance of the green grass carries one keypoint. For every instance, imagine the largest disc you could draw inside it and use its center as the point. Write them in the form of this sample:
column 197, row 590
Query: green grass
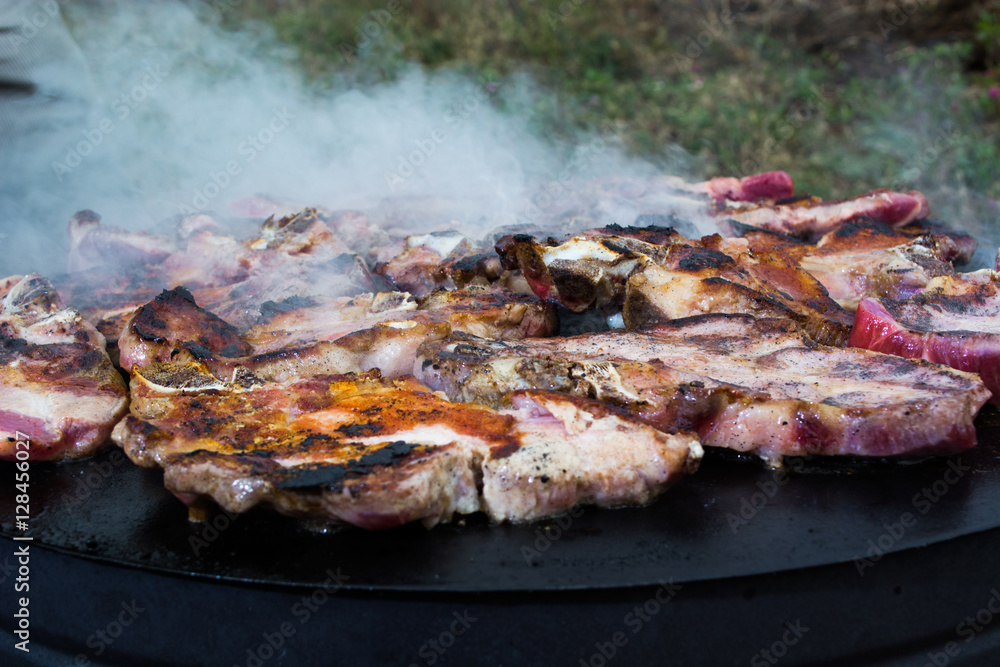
column 841, row 119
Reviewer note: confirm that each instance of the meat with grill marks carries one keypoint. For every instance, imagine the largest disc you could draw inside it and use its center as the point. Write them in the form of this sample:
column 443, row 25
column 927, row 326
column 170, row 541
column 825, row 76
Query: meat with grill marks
column 752, row 385
column 955, row 320
column 809, row 218
column 655, row 275
column 57, row 384
column 295, row 256
column 719, row 276
column 865, row 257
column 326, row 335
column 374, row 453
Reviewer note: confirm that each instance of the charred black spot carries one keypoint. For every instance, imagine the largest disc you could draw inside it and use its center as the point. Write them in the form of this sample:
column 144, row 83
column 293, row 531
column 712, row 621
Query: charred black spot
column 360, row 430
column 470, row 262
column 523, row 238
column 697, row 259
column 863, row 223
column 270, row 308
column 652, row 225
column 614, row 247
column 90, row 359
column 334, row 476
column 232, row 351
column 199, row 351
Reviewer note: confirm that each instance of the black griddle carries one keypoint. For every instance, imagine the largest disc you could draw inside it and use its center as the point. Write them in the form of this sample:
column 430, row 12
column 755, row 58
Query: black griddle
column 748, row 546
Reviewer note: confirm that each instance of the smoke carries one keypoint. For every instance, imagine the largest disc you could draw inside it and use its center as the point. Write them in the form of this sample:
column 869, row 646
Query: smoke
column 185, row 117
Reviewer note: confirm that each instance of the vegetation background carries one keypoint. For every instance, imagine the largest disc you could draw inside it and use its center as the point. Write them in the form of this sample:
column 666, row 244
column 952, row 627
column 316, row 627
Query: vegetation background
column 844, row 95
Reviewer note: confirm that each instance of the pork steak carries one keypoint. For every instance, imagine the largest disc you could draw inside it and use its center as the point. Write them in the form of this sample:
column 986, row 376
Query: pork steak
column 57, row 384
column 361, row 450
column 752, row 385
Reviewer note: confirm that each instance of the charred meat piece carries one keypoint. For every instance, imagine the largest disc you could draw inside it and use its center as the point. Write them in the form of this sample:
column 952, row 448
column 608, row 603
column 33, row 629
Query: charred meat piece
column 360, row 450
column 811, row 218
column 772, row 185
column 173, row 320
column 753, row 385
column 299, row 336
column 719, row 276
column 421, row 267
column 954, row 321
column 296, row 256
column 867, row 258
column 57, row 384
column 587, row 271
column 93, row 244
column 655, row 275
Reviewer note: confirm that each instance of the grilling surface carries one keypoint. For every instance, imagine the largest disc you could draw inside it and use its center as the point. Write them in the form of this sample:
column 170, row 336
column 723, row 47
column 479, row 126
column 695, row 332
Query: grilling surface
column 733, row 518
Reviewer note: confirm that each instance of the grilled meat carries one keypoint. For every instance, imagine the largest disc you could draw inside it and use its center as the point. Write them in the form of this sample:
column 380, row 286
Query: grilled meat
column 954, row 321
column 753, row 385
column 93, row 244
column 360, row 450
column 586, row 271
column 326, row 335
column 720, row 276
column 867, row 258
column 773, row 185
column 810, row 218
column 173, row 320
column 656, row 275
column 57, row 384
column 296, row 256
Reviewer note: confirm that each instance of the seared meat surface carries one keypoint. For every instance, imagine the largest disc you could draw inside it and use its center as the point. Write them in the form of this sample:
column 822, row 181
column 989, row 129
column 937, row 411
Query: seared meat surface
column 295, row 256
column 655, row 275
column 360, row 450
column 57, row 384
column 753, row 385
column 721, row 276
column 299, row 336
column 954, row 321
column 810, row 218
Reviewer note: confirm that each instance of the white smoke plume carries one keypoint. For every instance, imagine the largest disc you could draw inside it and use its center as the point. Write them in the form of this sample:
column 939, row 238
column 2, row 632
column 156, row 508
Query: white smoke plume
column 187, row 117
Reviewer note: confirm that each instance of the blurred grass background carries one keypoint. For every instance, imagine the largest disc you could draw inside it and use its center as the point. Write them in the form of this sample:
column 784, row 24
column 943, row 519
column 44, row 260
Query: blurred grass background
column 846, row 96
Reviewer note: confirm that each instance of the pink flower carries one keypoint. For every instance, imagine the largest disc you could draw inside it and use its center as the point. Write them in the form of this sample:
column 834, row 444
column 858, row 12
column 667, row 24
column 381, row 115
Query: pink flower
column 994, row 92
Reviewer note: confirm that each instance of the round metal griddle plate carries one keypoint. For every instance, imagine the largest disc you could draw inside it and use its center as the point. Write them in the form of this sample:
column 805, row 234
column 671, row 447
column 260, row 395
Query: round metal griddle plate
column 733, row 518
